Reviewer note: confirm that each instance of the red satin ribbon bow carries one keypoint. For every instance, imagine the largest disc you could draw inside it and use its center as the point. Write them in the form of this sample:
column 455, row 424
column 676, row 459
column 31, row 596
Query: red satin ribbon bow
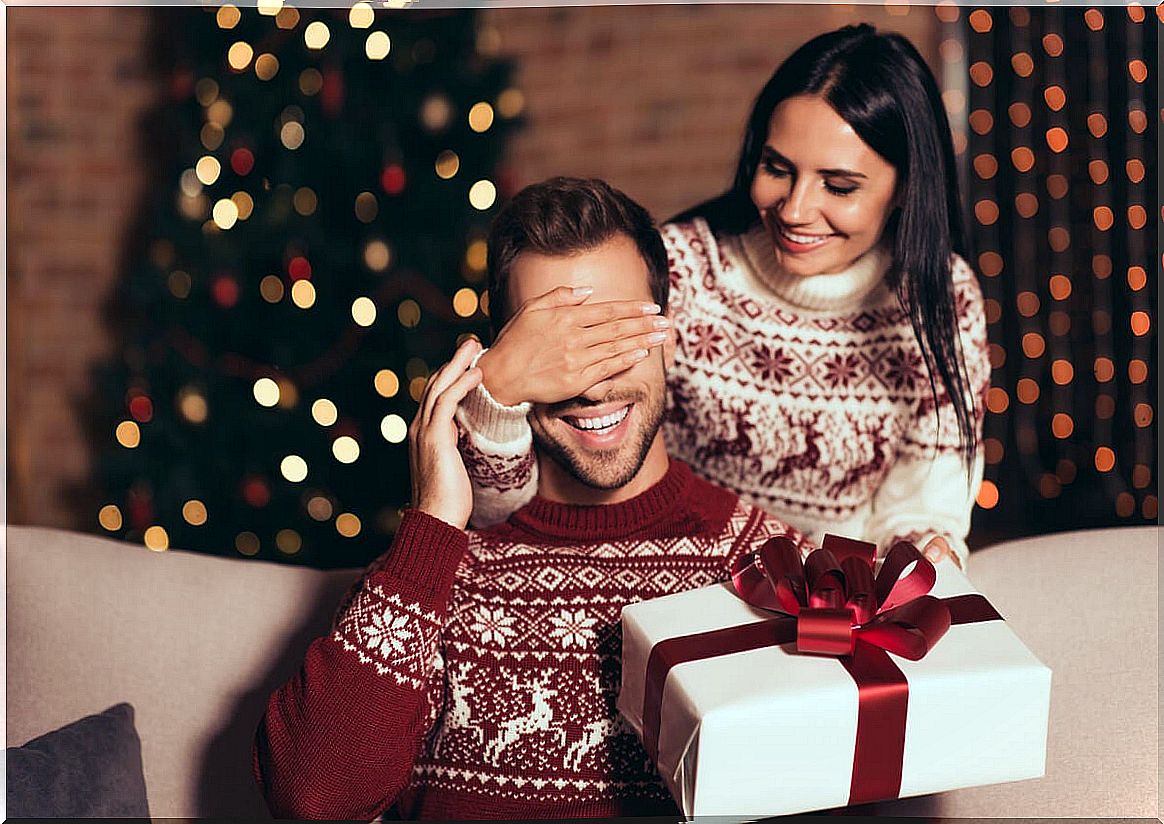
column 837, row 601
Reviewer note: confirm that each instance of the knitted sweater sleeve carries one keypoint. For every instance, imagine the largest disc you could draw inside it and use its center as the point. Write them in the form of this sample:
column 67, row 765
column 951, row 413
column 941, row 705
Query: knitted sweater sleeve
column 339, row 739
column 928, row 491
column 496, row 445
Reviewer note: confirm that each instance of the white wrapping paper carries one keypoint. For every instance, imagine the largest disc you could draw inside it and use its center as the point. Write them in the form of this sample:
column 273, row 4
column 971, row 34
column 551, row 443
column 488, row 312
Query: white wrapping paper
column 772, row 731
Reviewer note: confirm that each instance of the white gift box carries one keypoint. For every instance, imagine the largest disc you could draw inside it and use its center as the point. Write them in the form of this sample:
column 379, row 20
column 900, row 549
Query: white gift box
column 772, row 731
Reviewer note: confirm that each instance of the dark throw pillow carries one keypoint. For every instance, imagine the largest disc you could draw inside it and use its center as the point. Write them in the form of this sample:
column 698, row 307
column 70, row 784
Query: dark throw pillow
column 89, row 768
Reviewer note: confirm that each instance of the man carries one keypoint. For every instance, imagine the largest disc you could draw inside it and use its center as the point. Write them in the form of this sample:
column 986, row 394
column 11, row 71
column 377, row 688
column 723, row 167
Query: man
column 474, row 675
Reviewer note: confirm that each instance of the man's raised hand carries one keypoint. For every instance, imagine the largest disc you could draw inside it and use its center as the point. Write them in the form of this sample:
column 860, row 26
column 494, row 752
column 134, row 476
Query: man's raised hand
column 440, row 484
column 556, row 346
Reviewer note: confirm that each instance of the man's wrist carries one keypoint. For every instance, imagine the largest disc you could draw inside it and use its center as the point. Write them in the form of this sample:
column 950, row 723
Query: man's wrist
column 444, row 513
column 492, row 381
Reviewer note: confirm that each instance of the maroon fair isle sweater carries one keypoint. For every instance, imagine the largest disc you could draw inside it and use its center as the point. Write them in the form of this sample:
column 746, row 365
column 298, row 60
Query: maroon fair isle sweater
column 474, row 675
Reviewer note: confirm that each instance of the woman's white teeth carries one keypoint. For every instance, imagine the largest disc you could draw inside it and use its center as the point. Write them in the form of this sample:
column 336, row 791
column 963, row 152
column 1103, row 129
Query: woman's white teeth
column 804, row 239
column 605, row 422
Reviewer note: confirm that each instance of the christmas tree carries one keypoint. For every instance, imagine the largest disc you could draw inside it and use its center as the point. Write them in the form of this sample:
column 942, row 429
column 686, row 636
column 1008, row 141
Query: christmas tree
column 313, row 249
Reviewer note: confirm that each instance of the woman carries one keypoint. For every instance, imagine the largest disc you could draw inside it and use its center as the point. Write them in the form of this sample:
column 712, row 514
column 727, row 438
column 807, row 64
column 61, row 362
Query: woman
column 831, row 362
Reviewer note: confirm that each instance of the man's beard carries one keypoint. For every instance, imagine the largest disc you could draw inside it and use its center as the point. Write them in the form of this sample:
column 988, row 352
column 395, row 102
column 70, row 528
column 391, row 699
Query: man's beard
column 612, row 468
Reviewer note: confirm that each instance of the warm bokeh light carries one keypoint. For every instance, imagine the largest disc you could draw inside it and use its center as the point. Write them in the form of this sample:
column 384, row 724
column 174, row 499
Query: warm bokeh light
column 266, row 66
column 1097, row 124
column 1022, row 64
column 981, row 121
column 997, row 401
column 1135, row 170
column 990, row 263
column 393, row 428
column 1104, row 459
column 510, row 103
column 1052, row 44
column 128, row 434
column 1101, row 266
column 271, row 288
column 303, row 294
column 1137, row 216
column 480, row 117
column 1104, row 407
column 1027, row 303
column 1033, row 345
column 316, row 35
column 225, row 214
column 1103, row 217
column 247, row 543
column 986, row 211
column 1137, row 371
column 416, row 387
column 1104, row 370
column 227, row 16
column 1142, row 415
column 348, row 525
column 1057, row 186
column 482, row 195
column 364, row 311
column 1060, row 286
column 1062, row 372
column 997, row 356
column 292, row 135
column 194, row 512
column 1057, row 139
column 156, row 538
column 1022, row 158
column 377, row 255
column 288, row 541
column 1049, row 486
column 993, row 450
column 985, row 166
column 319, row 508
column 1137, row 278
column 345, row 449
column 1141, row 323
column 239, row 55
column 266, row 392
column 981, row 73
column 1094, row 19
column 981, row 21
column 366, row 207
column 408, row 313
column 465, row 302
column 293, row 468
column 386, row 383
column 324, row 412
column 110, row 518
column 361, row 16
column 1062, row 425
column 447, row 164
column 1097, row 171
column 1138, row 70
column 207, row 169
column 377, row 46
column 1027, row 390
column 993, row 310
column 988, row 495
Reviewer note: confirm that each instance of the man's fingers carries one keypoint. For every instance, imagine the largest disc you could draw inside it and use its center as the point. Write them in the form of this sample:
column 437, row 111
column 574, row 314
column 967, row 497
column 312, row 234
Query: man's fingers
column 446, row 405
column 624, row 328
column 448, row 374
column 561, row 296
column 611, row 366
column 592, row 314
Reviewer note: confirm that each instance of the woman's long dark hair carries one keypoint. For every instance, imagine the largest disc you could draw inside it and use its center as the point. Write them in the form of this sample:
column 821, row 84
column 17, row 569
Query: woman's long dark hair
column 882, row 88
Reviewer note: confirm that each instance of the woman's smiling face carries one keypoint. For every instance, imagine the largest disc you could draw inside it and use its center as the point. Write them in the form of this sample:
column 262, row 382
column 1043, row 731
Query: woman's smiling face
column 823, row 194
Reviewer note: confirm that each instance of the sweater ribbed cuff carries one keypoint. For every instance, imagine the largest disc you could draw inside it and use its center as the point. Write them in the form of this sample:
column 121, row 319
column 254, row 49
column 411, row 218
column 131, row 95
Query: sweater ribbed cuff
column 493, row 422
column 426, row 552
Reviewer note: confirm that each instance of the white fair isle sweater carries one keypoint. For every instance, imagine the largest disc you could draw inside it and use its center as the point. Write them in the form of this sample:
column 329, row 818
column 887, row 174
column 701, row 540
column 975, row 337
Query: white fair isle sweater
column 808, row 396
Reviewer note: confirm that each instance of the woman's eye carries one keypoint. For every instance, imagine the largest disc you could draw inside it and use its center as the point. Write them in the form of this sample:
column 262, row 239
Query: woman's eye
column 774, row 170
column 840, row 191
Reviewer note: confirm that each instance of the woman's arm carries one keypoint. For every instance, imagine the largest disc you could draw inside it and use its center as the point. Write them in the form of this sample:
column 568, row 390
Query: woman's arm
column 339, row 739
column 928, row 492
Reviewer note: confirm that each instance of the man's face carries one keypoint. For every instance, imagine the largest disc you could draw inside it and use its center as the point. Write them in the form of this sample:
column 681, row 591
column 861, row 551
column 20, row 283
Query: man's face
column 601, row 437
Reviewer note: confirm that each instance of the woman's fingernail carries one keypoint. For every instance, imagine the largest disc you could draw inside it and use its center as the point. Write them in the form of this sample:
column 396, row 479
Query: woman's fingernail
column 650, row 308
column 656, row 338
column 638, row 354
column 583, row 291
column 662, row 323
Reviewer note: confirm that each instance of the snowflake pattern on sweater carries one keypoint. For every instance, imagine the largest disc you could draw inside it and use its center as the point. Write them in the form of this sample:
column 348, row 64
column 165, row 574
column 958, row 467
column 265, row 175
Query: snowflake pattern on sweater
column 497, row 698
column 822, row 415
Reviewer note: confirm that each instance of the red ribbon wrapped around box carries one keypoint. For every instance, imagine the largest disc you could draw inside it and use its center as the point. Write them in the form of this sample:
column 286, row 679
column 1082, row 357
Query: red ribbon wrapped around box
column 832, row 604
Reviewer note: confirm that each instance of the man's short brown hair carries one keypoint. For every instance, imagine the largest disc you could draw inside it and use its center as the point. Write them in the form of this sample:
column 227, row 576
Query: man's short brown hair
column 563, row 216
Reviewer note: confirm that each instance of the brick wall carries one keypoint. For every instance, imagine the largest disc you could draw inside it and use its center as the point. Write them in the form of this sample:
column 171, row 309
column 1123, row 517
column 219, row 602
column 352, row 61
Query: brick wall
column 653, row 98
column 77, row 85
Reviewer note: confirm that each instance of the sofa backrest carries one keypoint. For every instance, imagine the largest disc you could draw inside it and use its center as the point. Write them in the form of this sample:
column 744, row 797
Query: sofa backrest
column 194, row 642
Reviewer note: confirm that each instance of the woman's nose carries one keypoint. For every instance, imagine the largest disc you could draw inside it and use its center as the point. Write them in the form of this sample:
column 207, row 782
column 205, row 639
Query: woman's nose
column 798, row 206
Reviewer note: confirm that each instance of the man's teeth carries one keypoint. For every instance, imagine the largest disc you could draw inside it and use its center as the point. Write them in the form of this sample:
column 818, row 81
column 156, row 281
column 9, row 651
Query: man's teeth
column 605, row 422
column 804, row 239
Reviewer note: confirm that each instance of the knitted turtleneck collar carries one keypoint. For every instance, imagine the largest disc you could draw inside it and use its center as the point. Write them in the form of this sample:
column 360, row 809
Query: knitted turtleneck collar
column 640, row 514
column 835, row 291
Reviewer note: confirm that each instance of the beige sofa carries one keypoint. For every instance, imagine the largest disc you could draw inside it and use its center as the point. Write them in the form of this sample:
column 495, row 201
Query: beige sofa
column 196, row 643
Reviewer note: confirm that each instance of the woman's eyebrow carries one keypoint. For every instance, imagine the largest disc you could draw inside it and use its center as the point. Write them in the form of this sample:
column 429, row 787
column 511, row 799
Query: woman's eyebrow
column 779, row 158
